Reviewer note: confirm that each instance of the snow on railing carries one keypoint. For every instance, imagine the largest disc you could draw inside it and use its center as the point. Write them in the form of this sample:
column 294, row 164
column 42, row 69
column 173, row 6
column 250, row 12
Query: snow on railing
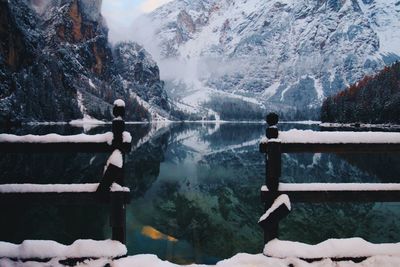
column 275, row 143
column 336, row 187
column 314, row 137
column 57, row 188
column 118, row 141
column 55, row 138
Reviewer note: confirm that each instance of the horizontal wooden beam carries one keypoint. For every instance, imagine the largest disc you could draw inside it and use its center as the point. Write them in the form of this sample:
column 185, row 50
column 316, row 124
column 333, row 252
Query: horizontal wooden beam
column 334, row 148
column 81, row 198
column 17, row 147
column 335, row 196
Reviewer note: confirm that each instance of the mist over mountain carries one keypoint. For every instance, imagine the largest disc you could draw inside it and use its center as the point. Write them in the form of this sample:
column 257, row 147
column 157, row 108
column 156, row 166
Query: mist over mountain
column 56, row 64
column 280, row 55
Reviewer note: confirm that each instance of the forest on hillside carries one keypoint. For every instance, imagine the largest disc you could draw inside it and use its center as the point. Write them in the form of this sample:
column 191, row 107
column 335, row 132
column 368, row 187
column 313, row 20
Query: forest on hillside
column 374, row 99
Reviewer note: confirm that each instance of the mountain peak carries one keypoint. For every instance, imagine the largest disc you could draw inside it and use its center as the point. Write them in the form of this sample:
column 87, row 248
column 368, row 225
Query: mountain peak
column 284, row 54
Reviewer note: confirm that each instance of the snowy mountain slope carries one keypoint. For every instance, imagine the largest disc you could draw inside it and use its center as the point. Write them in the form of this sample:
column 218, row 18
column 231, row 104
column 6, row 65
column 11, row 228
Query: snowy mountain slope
column 56, row 64
column 284, row 54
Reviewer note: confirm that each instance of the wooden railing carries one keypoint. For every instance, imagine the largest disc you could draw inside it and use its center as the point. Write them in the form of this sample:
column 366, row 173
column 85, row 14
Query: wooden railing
column 110, row 190
column 277, row 143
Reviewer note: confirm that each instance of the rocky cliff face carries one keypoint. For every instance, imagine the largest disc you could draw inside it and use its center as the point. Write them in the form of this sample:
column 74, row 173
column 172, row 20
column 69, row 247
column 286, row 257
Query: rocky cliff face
column 56, row 65
column 141, row 77
column 282, row 54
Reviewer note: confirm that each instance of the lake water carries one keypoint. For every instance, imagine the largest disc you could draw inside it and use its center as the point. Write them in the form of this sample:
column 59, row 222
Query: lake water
column 196, row 192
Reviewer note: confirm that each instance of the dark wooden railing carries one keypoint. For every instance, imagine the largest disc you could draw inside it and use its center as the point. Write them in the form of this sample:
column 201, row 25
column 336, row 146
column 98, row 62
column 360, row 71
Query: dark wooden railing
column 273, row 147
column 118, row 141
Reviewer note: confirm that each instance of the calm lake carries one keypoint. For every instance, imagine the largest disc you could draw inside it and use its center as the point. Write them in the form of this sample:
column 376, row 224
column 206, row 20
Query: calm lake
column 196, row 192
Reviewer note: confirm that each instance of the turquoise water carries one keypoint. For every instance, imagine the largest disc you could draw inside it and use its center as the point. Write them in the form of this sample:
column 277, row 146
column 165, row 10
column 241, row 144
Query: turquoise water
column 195, row 191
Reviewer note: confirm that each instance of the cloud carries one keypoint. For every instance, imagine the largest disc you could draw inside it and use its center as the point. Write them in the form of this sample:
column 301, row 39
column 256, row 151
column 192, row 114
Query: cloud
column 150, row 5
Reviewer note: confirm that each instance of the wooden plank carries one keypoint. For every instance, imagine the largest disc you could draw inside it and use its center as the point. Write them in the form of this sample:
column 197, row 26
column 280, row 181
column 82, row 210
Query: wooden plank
column 335, row 196
column 17, row 147
column 334, row 148
column 63, row 198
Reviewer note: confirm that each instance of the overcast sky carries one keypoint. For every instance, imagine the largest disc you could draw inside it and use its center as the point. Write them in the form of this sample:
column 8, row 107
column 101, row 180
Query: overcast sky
column 120, row 14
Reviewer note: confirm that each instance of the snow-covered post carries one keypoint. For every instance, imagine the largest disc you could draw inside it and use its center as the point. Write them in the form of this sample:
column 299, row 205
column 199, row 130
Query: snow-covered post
column 118, row 209
column 273, row 156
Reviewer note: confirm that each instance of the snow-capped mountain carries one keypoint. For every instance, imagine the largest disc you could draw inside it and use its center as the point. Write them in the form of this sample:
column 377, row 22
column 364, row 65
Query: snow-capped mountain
column 56, row 64
column 280, row 54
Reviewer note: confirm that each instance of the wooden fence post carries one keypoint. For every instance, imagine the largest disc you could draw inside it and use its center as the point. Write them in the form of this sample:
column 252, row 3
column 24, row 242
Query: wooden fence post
column 272, row 172
column 118, row 208
column 273, row 156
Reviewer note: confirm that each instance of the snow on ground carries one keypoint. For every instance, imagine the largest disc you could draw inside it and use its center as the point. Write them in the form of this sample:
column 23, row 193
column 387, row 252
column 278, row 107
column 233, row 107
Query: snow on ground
column 87, row 122
column 314, row 137
column 239, row 260
column 331, row 248
column 43, row 249
column 270, row 91
column 157, row 114
column 194, row 100
column 56, row 188
column 385, row 19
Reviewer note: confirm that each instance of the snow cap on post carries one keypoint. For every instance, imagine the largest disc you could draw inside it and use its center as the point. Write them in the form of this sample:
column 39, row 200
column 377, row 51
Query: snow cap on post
column 272, row 120
column 119, row 108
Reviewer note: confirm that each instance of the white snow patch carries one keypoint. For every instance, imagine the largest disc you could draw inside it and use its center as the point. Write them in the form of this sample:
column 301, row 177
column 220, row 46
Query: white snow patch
column 336, row 187
column 157, row 114
column 44, row 249
column 55, row 138
column 126, row 137
column 258, row 260
column 91, row 84
column 115, row 159
column 239, row 260
column 361, row 125
column 86, row 123
column 281, row 200
column 82, row 107
column 57, row 188
column 270, row 91
column 331, row 248
column 319, row 89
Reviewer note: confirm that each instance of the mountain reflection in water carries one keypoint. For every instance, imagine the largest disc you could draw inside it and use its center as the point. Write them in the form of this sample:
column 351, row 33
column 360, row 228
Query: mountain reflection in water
column 196, row 193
